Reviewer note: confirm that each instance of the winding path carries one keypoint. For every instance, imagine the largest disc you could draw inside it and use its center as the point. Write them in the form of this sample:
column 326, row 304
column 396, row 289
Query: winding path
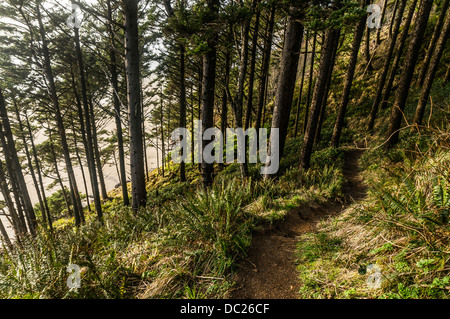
column 269, row 271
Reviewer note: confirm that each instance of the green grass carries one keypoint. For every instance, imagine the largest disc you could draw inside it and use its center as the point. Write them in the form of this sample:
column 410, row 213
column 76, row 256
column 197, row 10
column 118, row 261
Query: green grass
column 185, row 244
column 402, row 227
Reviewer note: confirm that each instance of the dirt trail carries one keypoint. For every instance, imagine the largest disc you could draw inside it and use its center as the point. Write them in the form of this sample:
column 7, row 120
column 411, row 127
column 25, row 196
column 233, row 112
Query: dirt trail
column 269, row 270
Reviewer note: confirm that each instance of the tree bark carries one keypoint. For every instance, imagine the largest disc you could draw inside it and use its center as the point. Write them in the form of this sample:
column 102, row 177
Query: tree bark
column 434, row 64
column 182, row 82
column 96, row 148
column 80, row 162
column 300, row 93
column 163, row 145
column 192, row 126
column 45, row 215
column 117, row 109
column 224, row 114
column 326, row 65
column 394, row 15
column 265, row 66
column 17, row 223
column 359, row 30
column 310, row 83
column 38, row 168
column 326, row 92
column 432, row 45
column 183, row 112
column 5, row 236
column 14, row 185
column 58, row 177
column 384, row 72
column 200, row 96
column 238, row 102
column 383, row 13
column 287, row 76
column 367, row 50
column 89, row 129
column 132, row 64
column 76, row 200
column 447, row 75
column 396, row 63
column 407, row 73
column 15, row 164
column 208, row 89
column 83, row 136
column 251, row 79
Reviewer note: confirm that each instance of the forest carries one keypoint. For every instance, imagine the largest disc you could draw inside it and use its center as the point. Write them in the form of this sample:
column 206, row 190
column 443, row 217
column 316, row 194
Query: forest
column 224, row 149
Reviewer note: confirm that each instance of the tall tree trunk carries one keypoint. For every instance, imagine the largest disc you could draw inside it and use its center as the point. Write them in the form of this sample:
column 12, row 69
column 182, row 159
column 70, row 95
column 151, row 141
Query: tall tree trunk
column 384, row 72
column 432, row 45
column 14, row 185
column 89, row 129
column 38, row 169
column 434, row 64
column 359, row 30
column 45, row 219
column 96, row 148
column 117, row 110
column 17, row 223
column 383, row 13
column 224, row 114
column 144, row 138
column 157, row 151
column 447, row 75
column 367, row 51
column 238, row 102
column 76, row 200
column 310, row 83
column 83, row 136
column 300, row 93
column 58, row 177
column 132, row 62
column 199, row 116
column 163, row 146
column 4, row 235
column 183, row 112
column 192, row 126
column 22, row 186
column 393, row 18
column 408, row 72
column 251, row 79
column 208, row 89
column 287, row 77
column 326, row 65
column 266, row 96
column 396, row 63
column 326, row 92
column 80, row 163
column 265, row 66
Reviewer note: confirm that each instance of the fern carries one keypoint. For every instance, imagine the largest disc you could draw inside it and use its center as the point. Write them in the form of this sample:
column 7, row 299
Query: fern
column 393, row 204
column 441, row 200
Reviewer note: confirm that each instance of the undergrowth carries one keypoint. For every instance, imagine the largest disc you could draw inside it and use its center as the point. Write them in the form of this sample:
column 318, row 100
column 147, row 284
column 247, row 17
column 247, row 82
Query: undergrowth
column 185, row 244
column 402, row 227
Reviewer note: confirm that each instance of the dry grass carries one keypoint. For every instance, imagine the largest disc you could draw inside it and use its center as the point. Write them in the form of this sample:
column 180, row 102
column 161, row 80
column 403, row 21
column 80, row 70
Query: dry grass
column 411, row 251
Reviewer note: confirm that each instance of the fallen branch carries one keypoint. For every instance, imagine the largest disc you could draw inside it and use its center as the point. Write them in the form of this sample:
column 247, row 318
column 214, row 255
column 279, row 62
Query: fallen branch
column 211, row 278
